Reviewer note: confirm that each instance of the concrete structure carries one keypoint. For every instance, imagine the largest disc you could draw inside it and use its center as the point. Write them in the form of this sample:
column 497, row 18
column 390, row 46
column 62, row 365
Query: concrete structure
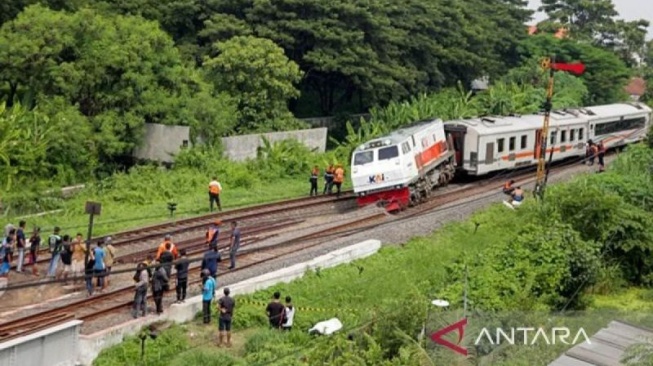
column 240, row 148
column 91, row 345
column 162, row 142
column 330, row 122
column 56, row 346
column 606, row 347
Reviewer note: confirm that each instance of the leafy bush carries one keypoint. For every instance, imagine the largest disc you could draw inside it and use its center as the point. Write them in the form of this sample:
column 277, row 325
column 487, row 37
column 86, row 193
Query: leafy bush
column 158, row 352
column 204, row 357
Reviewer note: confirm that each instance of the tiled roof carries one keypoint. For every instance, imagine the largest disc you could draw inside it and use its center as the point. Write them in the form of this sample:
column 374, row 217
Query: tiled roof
column 605, row 347
column 637, row 86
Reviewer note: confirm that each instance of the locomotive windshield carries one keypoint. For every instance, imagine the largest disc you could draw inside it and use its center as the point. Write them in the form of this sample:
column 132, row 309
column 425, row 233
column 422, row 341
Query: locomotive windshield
column 364, row 157
column 389, row 152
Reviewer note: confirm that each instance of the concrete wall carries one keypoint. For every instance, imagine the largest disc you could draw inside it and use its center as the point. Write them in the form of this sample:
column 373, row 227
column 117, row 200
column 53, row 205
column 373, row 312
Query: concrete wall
column 56, row 346
column 161, row 141
column 92, row 345
column 239, row 148
column 330, row 122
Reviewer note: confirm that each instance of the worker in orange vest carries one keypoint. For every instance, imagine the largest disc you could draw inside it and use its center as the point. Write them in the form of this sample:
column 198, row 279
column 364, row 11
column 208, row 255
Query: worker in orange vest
column 339, row 177
column 328, row 179
column 214, row 193
column 213, row 233
column 162, row 248
column 508, row 188
column 313, row 180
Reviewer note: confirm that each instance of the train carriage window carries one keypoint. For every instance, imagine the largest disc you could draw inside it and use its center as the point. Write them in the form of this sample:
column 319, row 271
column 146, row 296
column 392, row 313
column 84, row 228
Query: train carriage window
column 524, row 141
column 405, row 148
column 511, row 143
column 572, row 135
column 500, row 145
column 552, row 141
column 580, row 134
column 620, row 125
column 364, row 157
column 389, row 152
column 563, row 136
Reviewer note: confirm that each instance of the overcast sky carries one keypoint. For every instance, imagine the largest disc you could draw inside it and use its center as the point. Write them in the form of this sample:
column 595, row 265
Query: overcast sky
column 628, row 10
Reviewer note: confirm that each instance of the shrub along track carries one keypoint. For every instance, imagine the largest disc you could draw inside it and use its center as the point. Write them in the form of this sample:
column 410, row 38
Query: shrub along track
column 136, row 236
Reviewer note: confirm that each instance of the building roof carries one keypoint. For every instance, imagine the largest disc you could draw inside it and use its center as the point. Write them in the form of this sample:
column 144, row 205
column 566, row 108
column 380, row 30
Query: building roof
column 637, row 86
column 606, row 347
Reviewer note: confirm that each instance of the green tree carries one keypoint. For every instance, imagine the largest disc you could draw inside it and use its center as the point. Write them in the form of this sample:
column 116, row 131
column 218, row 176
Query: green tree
column 257, row 73
column 605, row 74
column 120, row 72
column 585, row 19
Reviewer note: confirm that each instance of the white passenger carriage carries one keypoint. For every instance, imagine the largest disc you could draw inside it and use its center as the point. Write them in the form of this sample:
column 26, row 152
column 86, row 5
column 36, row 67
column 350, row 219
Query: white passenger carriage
column 404, row 166
column 488, row 144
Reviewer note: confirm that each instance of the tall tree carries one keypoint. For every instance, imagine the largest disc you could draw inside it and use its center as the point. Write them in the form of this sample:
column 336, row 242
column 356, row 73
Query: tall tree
column 118, row 71
column 584, row 18
column 257, row 73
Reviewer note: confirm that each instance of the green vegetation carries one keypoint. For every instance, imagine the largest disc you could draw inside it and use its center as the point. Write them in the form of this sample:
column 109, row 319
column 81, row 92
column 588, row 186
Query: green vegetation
column 580, row 259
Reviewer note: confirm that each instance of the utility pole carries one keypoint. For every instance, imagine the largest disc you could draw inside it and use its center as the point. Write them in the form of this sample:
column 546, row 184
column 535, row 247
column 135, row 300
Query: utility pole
column 92, row 208
column 542, row 169
column 172, row 206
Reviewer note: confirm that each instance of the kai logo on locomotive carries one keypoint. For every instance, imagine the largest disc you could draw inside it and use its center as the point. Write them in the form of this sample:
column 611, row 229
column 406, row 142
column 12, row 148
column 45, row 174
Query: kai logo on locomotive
column 377, row 178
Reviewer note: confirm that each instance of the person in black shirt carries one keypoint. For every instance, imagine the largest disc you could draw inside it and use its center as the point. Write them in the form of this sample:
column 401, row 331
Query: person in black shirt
column 275, row 311
column 182, row 276
column 66, row 257
column 34, row 244
column 226, row 306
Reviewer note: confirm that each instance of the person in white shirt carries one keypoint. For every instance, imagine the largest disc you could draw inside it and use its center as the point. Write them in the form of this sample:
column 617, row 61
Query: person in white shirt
column 288, row 314
column 214, row 193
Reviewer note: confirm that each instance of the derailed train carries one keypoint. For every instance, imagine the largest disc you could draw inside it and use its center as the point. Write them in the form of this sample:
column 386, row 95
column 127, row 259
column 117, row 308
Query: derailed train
column 403, row 168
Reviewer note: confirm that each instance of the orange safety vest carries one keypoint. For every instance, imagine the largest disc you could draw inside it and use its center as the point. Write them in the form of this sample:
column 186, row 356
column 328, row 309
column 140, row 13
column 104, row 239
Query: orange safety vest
column 340, row 175
column 314, row 173
column 209, row 235
column 214, row 189
column 507, row 185
column 162, row 248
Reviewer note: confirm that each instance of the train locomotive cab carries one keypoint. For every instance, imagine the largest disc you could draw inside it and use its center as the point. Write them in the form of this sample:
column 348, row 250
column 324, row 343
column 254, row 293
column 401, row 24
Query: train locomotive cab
column 377, row 174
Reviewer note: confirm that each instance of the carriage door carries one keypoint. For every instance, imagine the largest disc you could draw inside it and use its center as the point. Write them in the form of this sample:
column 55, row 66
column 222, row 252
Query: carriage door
column 456, row 142
column 489, row 153
column 538, row 144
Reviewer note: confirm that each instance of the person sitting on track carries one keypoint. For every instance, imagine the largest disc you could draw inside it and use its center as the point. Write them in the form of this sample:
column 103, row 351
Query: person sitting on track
column 517, row 197
column 508, row 188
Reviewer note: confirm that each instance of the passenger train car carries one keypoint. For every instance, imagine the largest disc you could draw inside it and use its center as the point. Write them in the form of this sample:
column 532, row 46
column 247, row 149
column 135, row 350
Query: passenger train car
column 403, row 167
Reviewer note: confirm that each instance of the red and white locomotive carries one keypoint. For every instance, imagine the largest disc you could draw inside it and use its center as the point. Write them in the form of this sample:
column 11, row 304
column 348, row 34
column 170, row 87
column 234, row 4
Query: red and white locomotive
column 403, row 167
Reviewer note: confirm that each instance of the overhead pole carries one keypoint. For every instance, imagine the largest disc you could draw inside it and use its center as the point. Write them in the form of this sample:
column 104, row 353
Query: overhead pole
column 542, row 166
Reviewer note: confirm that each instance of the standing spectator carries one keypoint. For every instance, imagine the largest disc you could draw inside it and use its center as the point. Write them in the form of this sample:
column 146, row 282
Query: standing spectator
column 213, row 233
column 215, row 188
column 109, row 257
column 275, row 311
column 99, row 267
column 140, row 290
column 234, row 245
column 182, row 276
column 208, row 291
column 166, row 259
column 313, row 180
column 88, row 273
column 288, row 314
column 159, row 284
column 34, row 245
column 4, row 252
column 66, row 257
column 328, row 179
column 20, row 245
column 210, row 261
column 79, row 254
column 54, row 242
column 226, row 306
column 10, row 245
column 8, row 228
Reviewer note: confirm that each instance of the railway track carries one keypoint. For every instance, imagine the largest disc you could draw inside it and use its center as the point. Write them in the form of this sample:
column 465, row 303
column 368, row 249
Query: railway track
column 135, row 236
column 105, row 303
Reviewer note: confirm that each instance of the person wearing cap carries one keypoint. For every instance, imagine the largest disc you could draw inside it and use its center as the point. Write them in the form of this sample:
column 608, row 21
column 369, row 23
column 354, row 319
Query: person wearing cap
column 162, row 248
column 109, row 257
column 159, row 283
column 208, row 291
column 226, row 306
column 213, row 233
